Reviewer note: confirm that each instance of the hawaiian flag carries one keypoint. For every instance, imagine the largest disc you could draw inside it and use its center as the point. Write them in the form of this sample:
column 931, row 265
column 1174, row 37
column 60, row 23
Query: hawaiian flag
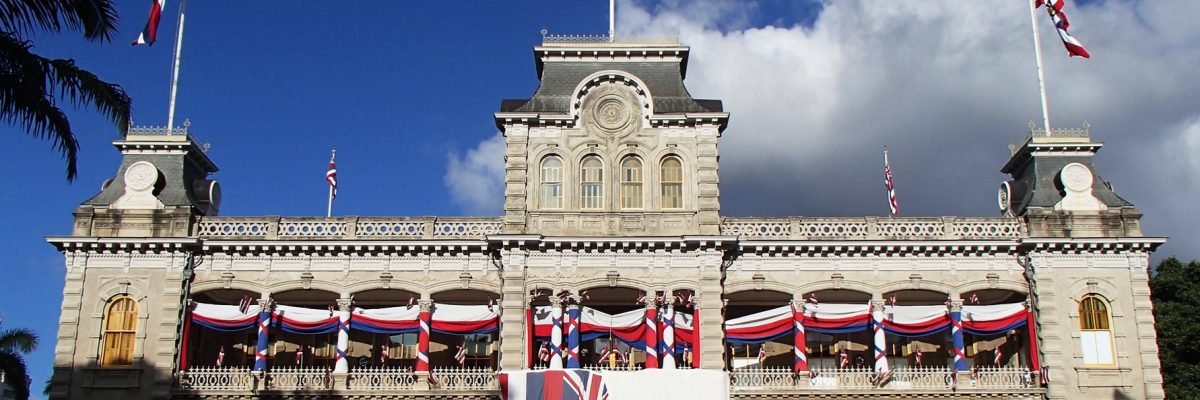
column 221, row 356
column 890, row 184
column 331, row 178
column 573, row 384
column 920, row 357
column 245, row 303
column 383, row 358
column 544, row 353
column 1059, row 18
column 843, row 359
column 999, row 356
column 461, row 355
column 300, row 356
column 762, row 355
column 150, row 32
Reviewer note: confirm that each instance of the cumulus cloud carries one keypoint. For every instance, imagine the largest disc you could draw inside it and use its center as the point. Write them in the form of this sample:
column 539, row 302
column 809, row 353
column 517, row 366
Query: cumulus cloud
column 476, row 179
column 946, row 87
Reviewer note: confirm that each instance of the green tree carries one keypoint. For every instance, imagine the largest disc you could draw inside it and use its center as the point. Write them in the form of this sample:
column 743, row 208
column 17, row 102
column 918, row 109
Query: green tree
column 1175, row 289
column 31, row 85
column 14, row 344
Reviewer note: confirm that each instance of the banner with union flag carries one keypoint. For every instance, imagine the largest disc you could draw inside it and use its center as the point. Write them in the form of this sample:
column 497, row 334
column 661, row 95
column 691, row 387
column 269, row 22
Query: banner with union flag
column 580, row 384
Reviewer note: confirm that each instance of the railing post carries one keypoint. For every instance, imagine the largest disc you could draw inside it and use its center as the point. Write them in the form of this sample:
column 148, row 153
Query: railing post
column 573, row 334
column 556, row 333
column 651, row 331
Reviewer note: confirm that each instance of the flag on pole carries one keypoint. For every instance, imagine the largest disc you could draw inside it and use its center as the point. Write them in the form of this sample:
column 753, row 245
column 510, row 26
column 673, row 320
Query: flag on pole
column 893, row 206
column 843, row 359
column 150, row 32
column 245, row 303
column 762, row 355
column 1059, row 18
column 221, row 356
column 331, row 178
column 300, row 355
column 461, row 355
column 383, row 358
column 544, row 353
column 998, row 357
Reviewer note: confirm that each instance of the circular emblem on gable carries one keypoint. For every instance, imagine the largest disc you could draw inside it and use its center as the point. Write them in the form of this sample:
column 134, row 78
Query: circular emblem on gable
column 1004, row 196
column 611, row 113
column 1076, row 177
column 142, row 175
column 611, row 109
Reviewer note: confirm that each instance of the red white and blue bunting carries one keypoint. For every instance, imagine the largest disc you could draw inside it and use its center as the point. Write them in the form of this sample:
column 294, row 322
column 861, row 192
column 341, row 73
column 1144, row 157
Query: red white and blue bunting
column 447, row 318
column 225, row 318
column 908, row 321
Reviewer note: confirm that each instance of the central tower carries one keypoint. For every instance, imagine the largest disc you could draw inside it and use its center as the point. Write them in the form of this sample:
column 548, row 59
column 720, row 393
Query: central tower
column 611, row 143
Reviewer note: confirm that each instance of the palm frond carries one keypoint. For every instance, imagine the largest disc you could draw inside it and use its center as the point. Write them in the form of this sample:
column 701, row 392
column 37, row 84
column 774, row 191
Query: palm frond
column 27, row 102
column 86, row 89
column 97, row 19
column 13, row 367
column 21, row 340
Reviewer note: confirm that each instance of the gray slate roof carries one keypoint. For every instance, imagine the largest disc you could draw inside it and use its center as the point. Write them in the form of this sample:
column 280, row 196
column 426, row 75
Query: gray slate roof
column 559, row 79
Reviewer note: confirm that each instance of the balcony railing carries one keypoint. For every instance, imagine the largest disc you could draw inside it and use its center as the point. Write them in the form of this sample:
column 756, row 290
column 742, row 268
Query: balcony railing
column 270, row 228
column 216, row 378
column 864, row 378
column 299, row 378
column 465, row 378
column 381, row 378
column 873, row 228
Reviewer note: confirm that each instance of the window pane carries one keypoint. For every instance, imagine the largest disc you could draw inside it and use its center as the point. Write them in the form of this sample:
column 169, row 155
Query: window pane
column 592, row 178
column 672, row 184
column 552, row 182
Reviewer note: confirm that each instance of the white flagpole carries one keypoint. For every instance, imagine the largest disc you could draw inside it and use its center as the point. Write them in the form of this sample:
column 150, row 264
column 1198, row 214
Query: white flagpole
column 1037, row 51
column 175, row 68
column 612, row 20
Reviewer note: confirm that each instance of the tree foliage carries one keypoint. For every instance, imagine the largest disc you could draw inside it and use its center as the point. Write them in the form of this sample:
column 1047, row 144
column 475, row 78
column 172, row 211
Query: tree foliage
column 14, row 344
column 1175, row 289
column 32, row 85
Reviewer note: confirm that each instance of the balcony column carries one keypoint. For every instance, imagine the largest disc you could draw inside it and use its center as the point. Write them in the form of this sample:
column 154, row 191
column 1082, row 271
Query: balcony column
column 799, row 342
column 556, row 333
column 340, row 363
column 695, row 331
column 880, row 342
column 573, row 333
column 651, row 331
column 423, row 335
column 529, row 333
column 956, row 335
column 264, row 327
column 668, row 334
column 1031, row 325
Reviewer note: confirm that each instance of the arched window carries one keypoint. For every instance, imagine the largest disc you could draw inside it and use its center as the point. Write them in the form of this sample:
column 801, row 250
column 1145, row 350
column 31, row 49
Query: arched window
column 1095, row 331
column 120, row 326
column 672, row 183
column 592, row 184
column 552, row 182
column 631, row 183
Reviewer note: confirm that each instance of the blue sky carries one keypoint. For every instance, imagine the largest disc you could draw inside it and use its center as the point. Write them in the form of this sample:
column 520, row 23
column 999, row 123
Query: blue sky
column 406, row 91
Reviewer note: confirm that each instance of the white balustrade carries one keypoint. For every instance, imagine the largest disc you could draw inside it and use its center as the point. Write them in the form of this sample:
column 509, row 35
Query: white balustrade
column 216, row 378
column 1006, row 228
column 312, row 227
column 841, row 378
column 444, row 228
column 299, row 378
column 604, row 366
column 393, row 228
column 868, row 228
column 1002, row 377
column 910, row 228
column 757, row 227
column 465, row 378
column 232, row 228
column 833, row 229
column 755, row 378
column 919, row 377
column 373, row 378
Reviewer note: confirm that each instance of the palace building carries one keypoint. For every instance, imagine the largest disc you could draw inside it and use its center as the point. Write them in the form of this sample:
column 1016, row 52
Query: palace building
column 612, row 255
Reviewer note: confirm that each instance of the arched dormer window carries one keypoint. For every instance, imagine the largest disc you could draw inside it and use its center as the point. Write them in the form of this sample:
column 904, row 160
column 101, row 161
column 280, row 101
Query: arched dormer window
column 672, row 183
column 631, row 182
column 591, row 184
column 552, row 182
column 1095, row 331
column 120, row 327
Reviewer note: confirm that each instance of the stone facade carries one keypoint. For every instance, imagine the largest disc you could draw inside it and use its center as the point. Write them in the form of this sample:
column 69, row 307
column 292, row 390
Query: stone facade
column 153, row 235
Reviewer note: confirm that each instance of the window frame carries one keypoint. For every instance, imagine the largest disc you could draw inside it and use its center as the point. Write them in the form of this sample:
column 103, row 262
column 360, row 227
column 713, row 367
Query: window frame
column 126, row 353
column 585, row 184
column 663, row 183
column 639, row 182
column 1093, row 321
column 543, row 183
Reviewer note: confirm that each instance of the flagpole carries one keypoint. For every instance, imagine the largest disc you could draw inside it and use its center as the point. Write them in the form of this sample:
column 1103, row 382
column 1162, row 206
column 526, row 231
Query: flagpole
column 1037, row 51
column 175, row 68
column 612, row 20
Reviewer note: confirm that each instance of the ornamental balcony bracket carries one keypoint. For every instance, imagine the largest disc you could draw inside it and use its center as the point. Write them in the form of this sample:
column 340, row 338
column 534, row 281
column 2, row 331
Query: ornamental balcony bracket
column 465, row 278
column 385, row 280
column 227, row 279
column 306, row 280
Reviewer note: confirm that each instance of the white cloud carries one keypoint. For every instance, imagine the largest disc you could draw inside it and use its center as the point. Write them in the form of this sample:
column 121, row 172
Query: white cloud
column 946, row 86
column 476, row 179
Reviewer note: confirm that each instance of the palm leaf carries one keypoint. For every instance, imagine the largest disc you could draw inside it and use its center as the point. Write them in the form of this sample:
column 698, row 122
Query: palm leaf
column 21, row 340
column 97, row 19
column 13, row 367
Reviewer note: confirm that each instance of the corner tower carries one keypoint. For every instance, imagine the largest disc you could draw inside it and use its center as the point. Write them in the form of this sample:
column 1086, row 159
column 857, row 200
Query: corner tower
column 611, row 143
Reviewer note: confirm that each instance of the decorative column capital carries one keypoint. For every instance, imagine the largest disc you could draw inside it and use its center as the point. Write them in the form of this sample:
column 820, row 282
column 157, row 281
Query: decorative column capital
column 573, row 305
column 956, row 305
column 426, row 305
column 555, row 301
column 344, row 304
column 264, row 303
column 878, row 303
